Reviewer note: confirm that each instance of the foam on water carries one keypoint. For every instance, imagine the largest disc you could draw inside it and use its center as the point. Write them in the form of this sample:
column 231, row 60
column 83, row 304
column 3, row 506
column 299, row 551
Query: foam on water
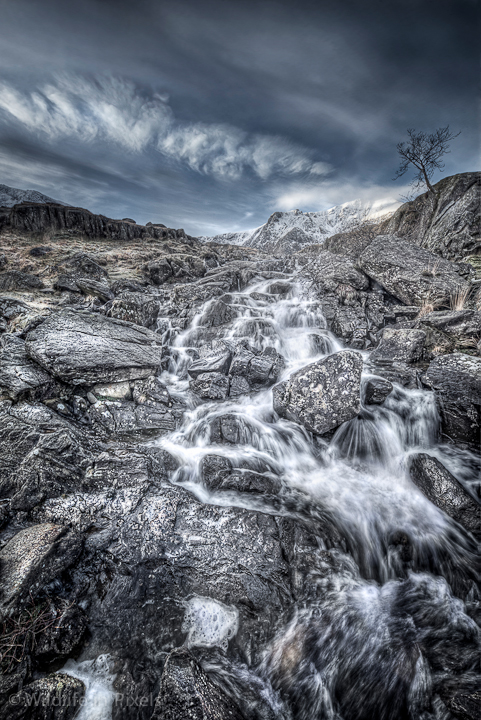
column 209, row 623
column 98, row 679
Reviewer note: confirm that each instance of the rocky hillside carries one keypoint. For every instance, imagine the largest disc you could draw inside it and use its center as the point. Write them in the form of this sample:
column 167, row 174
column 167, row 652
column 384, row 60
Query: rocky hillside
column 291, row 231
column 10, row 196
column 211, row 460
column 448, row 224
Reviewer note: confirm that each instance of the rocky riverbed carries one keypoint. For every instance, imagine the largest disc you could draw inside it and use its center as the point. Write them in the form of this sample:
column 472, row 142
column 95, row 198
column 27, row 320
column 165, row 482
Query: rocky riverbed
column 235, row 485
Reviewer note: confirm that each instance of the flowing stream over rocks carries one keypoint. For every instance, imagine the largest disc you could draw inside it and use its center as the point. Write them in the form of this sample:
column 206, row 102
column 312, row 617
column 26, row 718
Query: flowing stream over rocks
column 377, row 629
column 272, row 534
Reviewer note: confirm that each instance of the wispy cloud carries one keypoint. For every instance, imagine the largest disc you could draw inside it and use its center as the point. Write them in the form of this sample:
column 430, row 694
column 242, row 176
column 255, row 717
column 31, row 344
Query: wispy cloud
column 114, row 110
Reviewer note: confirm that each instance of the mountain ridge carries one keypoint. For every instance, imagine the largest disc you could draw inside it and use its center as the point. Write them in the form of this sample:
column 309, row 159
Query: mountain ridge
column 10, row 196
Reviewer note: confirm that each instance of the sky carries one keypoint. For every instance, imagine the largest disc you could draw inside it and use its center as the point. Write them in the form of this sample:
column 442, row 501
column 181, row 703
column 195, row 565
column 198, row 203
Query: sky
column 212, row 114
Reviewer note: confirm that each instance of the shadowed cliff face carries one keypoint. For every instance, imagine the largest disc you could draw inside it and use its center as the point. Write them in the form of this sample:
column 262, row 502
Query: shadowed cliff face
column 42, row 217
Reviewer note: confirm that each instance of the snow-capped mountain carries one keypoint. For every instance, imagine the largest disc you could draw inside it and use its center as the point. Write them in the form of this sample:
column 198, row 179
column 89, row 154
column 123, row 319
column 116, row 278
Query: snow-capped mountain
column 12, row 196
column 290, row 231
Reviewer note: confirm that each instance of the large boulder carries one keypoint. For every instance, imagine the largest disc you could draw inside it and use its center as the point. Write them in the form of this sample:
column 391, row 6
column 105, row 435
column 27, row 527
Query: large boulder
column 32, row 559
column 413, row 275
column 186, row 691
column 456, row 380
column 323, row 395
column 83, row 348
column 135, row 307
column 19, row 375
column 445, row 491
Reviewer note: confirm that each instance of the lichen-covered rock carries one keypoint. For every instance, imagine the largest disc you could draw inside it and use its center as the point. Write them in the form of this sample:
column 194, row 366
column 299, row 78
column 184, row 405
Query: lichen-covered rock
column 444, row 490
column 186, row 691
column 410, row 273
column 456, row 380
column 399, row 346
column 260, row 369
column 323, row 395
column 84, row 348
column 55, row 697
column 33, row 558
column 17, row 280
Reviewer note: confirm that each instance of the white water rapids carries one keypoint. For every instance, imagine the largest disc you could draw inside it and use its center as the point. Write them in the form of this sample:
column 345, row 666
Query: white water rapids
column 364, row 640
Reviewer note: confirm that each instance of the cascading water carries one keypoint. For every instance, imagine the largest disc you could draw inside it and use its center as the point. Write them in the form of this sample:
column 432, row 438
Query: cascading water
column 364, row 647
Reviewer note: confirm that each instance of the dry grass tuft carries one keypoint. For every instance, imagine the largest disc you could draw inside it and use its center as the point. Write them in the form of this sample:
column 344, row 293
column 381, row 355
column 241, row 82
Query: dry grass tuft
column 459, row 298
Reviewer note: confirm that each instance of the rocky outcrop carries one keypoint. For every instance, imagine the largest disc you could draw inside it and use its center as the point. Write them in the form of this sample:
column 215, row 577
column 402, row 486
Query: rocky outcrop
column 447, row 493
column 84, row 348
column 323, row 395
column 448, row 223
column 41, row 217
column 412, row 274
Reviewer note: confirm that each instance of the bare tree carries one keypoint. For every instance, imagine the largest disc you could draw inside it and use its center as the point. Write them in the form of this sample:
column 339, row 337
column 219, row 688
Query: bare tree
column 425, row 153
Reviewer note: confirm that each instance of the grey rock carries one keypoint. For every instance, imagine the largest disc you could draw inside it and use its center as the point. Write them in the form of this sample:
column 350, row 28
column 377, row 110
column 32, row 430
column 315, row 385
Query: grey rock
column 55, row 697
column 444, row 490
column 455, row 322
column 399, row 346
column 350, row 324
column 33, row 558
column 376, row 390
column 410, row 273
column 11, row 308
column 456, row 380
column 448, row 224
column 19, row 375
column 85, row 348
column 214, row 362
column 186, row 691
column 16, row 280
column 83, row 265
column 126, row 418
column 260, row 369
column 135, row 307
column 323, row 395
column 238, row 386
column 210, row 385
column 326, row 271
column 62, row 637
column 94, row 288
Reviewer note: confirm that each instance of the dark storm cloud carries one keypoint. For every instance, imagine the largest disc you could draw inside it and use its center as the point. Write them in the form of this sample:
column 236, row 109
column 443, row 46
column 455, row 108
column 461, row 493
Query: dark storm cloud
column 213, row 114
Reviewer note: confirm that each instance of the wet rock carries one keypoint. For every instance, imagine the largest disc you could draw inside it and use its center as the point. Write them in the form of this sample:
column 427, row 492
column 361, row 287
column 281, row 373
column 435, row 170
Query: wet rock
column 16, row 280
column 228, row 428
column 350, row 324
column 217, row 361
column 260, row 369
column 444, row 490
column 186, row 691
column 410, row 273
column 61, row 638
column 376, row 390
column 40, row 455
column 210, row 385
column 19, row 375
column 461, row 695
column 219, row 312
column 125, row 418
column 84, row 348
column 33, row 558
column 55, row 697
column 113, row 391
column 238, row 386
column 135, row 307
column 399, row 346
column 456, row 380
column 323, row 395
column 151, row 391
